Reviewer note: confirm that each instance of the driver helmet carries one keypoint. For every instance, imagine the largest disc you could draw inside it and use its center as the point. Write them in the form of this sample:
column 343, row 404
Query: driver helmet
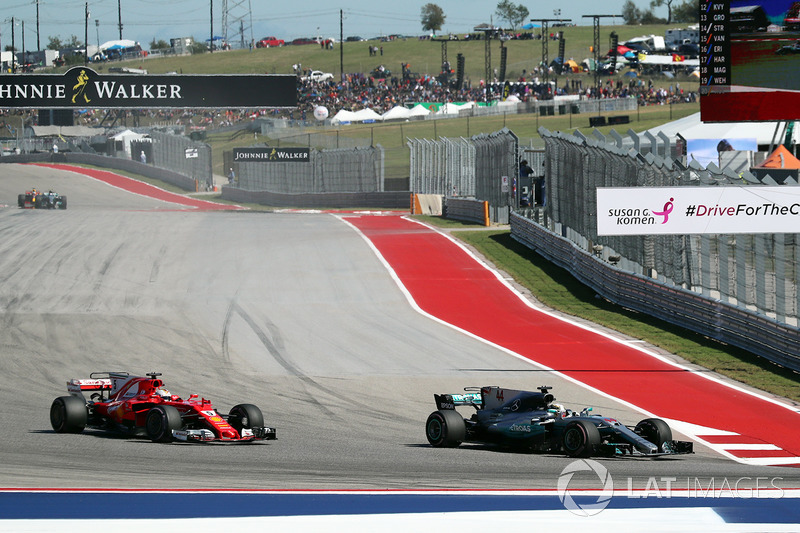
column 163, row 393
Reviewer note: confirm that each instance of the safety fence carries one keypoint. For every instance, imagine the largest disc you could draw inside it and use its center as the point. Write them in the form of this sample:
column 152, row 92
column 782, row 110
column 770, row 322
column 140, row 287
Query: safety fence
column 180, row 154
column 717, row 319
column 343, row 170
column 179, row 180
column 483, row 167
column 352, row 200
column 753, row 276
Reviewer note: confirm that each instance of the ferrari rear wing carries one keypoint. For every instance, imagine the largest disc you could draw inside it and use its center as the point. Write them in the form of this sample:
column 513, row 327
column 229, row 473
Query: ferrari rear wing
column 445, row 402
column 90, row 385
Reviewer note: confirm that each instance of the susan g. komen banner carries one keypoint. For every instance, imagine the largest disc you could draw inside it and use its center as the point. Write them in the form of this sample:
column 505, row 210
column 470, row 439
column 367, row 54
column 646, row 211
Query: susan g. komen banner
column 698, row 210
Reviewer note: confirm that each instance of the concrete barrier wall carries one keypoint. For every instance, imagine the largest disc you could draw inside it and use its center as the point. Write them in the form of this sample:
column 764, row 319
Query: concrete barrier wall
column 468, row 210
column 179, row 180
column 338, row 200
column 754, row 332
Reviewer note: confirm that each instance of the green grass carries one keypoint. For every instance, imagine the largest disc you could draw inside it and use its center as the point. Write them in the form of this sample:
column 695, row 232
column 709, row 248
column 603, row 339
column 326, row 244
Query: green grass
column 558, row 289
column 423, row 56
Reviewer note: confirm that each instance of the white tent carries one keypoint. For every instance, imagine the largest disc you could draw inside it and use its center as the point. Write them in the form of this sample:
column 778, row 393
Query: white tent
column 126, row 137
column 366, row 114
column 450, row 109
column 343, row 117
column 121, row 43
column 419, row 110
column 397, row 113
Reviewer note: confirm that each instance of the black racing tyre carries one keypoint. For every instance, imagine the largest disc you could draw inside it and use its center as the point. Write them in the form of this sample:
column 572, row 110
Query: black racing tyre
column 63, row 202
column 581, row 438
column 445, row 429
column 245, row 416
column 21, row 200
column 161, row 420
column 68, row 414
column 655, row 430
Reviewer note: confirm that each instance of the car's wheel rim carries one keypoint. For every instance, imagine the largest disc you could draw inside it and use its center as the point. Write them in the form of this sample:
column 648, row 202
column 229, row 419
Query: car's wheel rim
column 154, row 425
column 57, row 416
column 573, row 439
column 435, row 430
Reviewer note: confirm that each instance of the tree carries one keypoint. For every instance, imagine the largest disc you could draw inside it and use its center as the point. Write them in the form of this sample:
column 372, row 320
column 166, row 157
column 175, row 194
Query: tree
column 686, row 12
column 631, row 14
column 513, row 14
column 432, row 17
column 648, row 17
column 659, row 3
column 161, row 44
column 54, row 43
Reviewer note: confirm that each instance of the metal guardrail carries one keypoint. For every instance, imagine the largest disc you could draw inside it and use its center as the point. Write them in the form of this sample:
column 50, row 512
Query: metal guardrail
column 749, row 330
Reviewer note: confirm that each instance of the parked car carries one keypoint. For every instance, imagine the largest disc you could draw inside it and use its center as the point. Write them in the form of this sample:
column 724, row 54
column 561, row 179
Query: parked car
column 269, row 42
column 304, row 40
column 318, row 76
column 354, row 39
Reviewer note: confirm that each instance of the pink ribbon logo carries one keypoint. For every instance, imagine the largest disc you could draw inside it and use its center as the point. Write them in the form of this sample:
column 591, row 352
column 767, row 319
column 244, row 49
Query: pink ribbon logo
column 667, row 210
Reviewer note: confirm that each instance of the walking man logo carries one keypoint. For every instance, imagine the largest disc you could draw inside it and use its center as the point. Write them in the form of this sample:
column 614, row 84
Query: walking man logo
column 589, row 508
column 80, row 87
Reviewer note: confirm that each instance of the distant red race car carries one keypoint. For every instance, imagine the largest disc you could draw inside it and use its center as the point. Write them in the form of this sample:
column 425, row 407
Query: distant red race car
column 141, row 406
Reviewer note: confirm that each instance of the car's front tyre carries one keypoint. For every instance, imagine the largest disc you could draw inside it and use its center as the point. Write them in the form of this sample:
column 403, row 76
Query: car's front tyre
column 245, row 416
column 161, row 420
column 68, row 414
column 445, row 429
column 581, row 438
column 654, row 430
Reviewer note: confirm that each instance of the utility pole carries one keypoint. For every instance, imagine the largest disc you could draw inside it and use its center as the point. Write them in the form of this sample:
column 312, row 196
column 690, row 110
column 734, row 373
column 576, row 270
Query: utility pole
column 38, row 44
column 341, row 44
column 119, row 16
column 211, row 36
column 97, row 29
column 23, row 45
column 13, row 49
column 86, row 35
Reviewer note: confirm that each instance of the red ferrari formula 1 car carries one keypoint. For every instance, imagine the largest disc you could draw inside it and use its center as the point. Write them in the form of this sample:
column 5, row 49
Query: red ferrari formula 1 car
column 141, row 406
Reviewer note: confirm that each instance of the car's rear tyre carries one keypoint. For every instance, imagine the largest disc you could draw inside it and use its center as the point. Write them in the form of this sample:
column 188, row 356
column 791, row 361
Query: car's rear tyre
column 445, row 429
column 655, row 430
column 63, row 202
column 581, row 439
column 245, row 416
column 161, row 420
column 68, row 414
column 21, row 200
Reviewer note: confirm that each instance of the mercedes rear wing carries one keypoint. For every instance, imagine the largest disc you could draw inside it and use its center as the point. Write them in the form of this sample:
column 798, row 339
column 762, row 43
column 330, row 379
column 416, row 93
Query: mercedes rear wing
column 448, row 402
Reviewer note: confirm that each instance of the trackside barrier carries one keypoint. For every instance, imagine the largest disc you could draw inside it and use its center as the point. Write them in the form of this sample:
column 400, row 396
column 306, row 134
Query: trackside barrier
column 752, row 331
column 469, row 210
column 114, row 163
column 426, row 204
column 360, row 200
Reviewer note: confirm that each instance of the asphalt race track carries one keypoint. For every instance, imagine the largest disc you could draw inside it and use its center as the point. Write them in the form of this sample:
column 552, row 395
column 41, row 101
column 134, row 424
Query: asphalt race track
column 292, row 312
